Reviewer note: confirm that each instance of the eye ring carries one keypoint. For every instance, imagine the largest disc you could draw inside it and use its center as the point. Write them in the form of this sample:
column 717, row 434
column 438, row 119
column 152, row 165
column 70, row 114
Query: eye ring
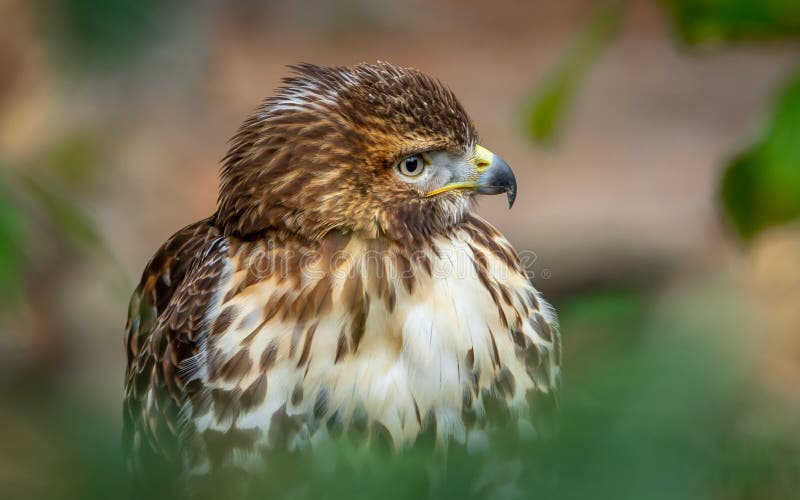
column 411, row 166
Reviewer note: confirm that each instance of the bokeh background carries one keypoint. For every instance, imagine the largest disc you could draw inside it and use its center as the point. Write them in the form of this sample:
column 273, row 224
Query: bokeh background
column 657, row 150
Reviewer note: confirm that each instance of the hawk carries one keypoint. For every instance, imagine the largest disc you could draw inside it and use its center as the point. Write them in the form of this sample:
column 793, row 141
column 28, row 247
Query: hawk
column 343, row 285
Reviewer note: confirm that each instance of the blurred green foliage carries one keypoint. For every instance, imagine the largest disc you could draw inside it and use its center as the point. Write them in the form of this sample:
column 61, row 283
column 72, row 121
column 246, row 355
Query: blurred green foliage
column 34, row 213
column 12, row 242
column 658, row 405
column 111, row 34
column 71, row 222
column 77, row 159
column 548, row 105
column 704, row 21
column 761, row 187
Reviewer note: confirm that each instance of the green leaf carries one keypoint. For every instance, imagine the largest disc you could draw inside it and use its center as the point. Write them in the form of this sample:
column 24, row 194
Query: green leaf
column 701, row 21
column 78, row 229
column 761, row 187
column 552, row 98
column 75, row 226
column 12, row 240
column 76, row 158
column 109, row 33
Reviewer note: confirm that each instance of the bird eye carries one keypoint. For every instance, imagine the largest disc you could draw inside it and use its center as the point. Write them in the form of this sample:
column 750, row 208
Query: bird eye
column 412, row 166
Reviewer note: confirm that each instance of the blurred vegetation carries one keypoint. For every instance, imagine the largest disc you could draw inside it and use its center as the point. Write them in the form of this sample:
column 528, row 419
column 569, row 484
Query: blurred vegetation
column 108, row 34
column 39, row 208
column 704, row 21
column 552, row 96
column 11, row 250
column 761, row 186
column 39, row 220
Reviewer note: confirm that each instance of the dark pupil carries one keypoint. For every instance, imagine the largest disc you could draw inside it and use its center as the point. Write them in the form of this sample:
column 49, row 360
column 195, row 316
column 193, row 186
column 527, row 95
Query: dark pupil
column 411, row 164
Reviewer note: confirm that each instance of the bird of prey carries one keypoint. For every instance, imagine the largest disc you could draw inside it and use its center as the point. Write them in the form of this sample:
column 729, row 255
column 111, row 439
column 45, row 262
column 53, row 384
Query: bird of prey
column 343, row 285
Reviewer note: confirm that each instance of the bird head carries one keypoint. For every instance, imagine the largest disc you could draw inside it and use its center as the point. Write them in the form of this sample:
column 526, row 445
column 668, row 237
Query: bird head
column 373, row 149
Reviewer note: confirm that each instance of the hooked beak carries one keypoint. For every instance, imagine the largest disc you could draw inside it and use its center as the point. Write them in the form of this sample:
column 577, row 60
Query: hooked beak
column 496, row 176
column 492, row 175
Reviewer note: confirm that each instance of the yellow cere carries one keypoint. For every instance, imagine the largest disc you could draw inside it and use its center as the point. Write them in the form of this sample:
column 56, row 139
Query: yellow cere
column 483, row 158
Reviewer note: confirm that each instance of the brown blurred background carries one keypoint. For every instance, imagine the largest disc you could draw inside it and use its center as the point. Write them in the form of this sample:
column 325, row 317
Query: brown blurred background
column 112, row 128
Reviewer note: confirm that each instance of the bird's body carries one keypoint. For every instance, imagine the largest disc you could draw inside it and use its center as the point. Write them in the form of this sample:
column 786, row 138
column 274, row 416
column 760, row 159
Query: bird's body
column 332, row 293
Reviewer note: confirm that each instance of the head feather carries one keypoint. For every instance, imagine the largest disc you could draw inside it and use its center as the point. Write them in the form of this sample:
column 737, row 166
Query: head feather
column 316, row 156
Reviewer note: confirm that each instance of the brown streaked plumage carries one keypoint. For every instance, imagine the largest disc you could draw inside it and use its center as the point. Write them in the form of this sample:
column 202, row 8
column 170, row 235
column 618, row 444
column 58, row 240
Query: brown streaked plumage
column 343, row 285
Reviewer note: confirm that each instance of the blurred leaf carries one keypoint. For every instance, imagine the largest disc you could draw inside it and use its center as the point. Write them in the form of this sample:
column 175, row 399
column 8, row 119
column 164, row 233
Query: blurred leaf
column 553, row 97
column 97, row 33
column 78, row 229
column 72, row 223
column 76, row 158
column 699, row 21
column 602, row 307
column 11, row 245
column 761, row 187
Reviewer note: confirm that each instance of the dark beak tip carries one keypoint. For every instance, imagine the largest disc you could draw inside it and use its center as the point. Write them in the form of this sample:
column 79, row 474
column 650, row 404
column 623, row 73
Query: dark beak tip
column 498, row 179
column 512, row 195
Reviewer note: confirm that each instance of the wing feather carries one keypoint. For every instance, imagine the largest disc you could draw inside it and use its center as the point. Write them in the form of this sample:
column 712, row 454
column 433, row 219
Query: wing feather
column 166, row 321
